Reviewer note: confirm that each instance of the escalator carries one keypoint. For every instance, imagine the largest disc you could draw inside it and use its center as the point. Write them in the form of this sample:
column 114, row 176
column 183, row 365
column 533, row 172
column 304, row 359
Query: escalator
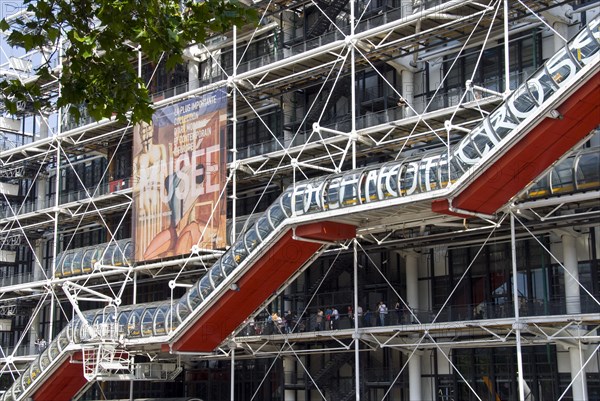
column 545, row 117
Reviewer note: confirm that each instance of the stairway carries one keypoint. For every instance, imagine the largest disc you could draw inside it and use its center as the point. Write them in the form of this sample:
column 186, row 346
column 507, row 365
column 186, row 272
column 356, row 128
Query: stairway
column 332, row 9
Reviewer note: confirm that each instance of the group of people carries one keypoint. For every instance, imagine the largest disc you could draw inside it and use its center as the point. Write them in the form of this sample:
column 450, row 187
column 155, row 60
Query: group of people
column 380, row 315
column 329, row 318
column 40, row 344
column 401, row 314
column 272, row 323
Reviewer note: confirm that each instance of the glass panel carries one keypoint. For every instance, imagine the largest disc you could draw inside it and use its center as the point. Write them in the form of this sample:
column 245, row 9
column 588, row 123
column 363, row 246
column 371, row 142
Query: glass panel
column 62, row 340
column 502, row 121
column 118, row 254
column 98, row 254
column 561, row 67
column 369, row 185
column 228, row 262
column 128, row 253
column 54, row 350
column 251, row 239
column 205, row 286
column 160, row 326
column 349, row 189
column 545, row 86
column 123, row 320
column 193, row 297
column 541, row 188
column 285, row 200
column 429, row 173
column 312, row 199
column 76, row 332
column 466, row 152
column 408, row 178
column 133, row 324
column 388, row 181
column 87, row 264
column 521, row 102
column 35, row 369
column 239, row 250
column 44, row 359
column 584, row 45
column 588, row 170
column 25, row 379
column 561, row 177
column 107, row 258
column 183, row 311
column 216, row 274
column 263, row 227
column 170, row 321
column 147, row 322
column 66, row 264
column 332, row 194
column 77, row 259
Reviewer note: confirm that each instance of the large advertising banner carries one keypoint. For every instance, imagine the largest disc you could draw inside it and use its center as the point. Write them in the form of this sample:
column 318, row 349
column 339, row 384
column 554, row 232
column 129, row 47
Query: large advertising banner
column 179, row 170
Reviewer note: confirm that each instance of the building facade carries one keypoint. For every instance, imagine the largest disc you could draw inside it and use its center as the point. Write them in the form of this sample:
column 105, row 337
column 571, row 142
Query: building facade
column 371, row 200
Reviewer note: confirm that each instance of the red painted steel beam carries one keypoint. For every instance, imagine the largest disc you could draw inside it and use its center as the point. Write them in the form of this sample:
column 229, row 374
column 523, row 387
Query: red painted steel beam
column 64, row 383
column 525, row 161
column 280, row 262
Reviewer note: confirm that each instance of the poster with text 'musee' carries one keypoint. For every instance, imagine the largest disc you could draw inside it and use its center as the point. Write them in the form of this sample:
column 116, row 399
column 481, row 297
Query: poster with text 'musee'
column 179, row 170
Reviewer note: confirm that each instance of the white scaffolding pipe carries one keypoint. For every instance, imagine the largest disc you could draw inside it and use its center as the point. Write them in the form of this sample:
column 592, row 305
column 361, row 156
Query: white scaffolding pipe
column 517, row 322
column 506, row 51
column 356, row 334
column 234, row 163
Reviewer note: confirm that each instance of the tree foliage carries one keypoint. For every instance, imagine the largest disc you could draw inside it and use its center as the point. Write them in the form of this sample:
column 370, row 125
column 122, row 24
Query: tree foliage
column 100, row 41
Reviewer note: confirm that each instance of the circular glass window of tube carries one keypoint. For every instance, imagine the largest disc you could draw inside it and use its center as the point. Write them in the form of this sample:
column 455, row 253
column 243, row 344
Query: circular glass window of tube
column 44, row 359
column 16, row 389
column 97, row 256
column 388, row 181
column 160, row 319
column 77, row 261
column 67, row 263
column 263, row 227
column 26, row 379
column 35, row 368
column 134, row 323
column 183, row 310
column 251, row 240
column 170, row 322
column 107, row 257
column 148, row 322
column 276, row 215
column 122, row 321
column 367, row 188
column 216, row 274
column 62, row 339
column 128, row 253
column 193, row 297
column 205, row 286
column 313, row 195
column 239, row 252
column 54, row 351
column 87, row 264
column 285, row 200
column 587, row 174
column 76, row 330
column 228, row 262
